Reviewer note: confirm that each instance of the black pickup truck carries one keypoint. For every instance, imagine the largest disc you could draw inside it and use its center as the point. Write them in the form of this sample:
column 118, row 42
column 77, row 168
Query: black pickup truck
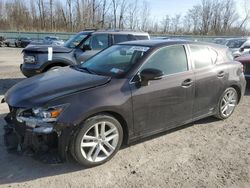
column 41, row 58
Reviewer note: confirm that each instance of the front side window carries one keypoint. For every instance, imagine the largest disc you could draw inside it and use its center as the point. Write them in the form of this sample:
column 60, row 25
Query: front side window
column 115, row 60
column 98, row 42
column 75, row 40
column 169, row 60
column 201, row 56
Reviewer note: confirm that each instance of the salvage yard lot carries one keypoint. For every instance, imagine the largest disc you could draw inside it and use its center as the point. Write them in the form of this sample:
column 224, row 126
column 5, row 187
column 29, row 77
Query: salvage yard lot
column 207, row 153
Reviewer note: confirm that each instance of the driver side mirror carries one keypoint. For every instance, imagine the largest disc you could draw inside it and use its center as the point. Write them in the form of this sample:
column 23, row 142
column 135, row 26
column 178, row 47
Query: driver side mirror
column 241, row 49
column 86, row 48
column 150, row 74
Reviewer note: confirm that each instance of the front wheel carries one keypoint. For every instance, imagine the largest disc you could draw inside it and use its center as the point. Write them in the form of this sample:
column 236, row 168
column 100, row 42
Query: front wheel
column 97, row 141
column 227, row 103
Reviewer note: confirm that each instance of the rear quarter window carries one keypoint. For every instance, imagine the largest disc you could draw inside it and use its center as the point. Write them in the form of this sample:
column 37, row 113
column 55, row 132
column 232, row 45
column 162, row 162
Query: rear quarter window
column 201, row 56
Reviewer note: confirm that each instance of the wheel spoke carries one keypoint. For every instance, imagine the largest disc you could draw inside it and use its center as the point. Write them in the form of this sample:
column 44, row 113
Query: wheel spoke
column 90, row 152
column 97, row 151
column 103, row 130
column 230, row 108
column 109, row 132
column 96, row 131
column 104, row 150
column 87, row 137
column 88, row 144
column 224, row 109
column 111, row 137
column 109, row 146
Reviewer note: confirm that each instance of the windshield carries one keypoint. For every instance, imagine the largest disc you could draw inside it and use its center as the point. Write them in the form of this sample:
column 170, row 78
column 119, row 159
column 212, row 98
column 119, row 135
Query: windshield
column 75, row 40
column 235, row 43
column 115, row 60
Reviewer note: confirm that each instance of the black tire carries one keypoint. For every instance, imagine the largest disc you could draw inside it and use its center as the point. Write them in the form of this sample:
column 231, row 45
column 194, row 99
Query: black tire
column 87, row 126
column 219, row 113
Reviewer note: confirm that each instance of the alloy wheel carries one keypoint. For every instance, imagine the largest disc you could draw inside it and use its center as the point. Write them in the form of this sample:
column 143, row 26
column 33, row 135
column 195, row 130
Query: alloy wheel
column 228, row 102
column 99, row 141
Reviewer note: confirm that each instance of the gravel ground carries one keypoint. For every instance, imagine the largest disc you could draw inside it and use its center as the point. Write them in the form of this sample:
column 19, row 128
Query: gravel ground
column 207, row 153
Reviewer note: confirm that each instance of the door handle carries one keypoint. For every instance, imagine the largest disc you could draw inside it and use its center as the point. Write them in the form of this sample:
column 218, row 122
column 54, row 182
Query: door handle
column 221, row 74
column 187, row 83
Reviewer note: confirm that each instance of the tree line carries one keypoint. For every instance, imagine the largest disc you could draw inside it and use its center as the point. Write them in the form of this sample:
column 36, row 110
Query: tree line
column 209, row 17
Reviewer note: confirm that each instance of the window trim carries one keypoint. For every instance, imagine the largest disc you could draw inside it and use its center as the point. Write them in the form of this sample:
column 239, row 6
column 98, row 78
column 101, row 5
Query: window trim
column 189, row 62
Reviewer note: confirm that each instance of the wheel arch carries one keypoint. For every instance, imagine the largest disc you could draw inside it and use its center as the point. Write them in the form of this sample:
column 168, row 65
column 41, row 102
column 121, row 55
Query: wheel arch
column 53, row 64
column 237, row 88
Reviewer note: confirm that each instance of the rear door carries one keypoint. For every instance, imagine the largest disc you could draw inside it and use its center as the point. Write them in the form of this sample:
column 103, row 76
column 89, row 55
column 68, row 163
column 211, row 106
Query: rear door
column 210, row 79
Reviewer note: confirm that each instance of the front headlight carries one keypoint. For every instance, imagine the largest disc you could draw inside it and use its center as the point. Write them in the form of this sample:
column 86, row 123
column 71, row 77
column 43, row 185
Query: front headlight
column 29, row 59
column 39, row 116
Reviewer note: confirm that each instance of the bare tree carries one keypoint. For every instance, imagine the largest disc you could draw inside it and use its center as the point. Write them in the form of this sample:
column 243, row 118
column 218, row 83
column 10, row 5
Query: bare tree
column 123, row 8
column 145, row 14
column 246, row 8
column 133, row 15
column 166, row 24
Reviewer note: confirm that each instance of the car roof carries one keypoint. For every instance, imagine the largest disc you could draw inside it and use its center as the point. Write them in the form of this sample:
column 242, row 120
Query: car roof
column 158, row 43
column 124, row 32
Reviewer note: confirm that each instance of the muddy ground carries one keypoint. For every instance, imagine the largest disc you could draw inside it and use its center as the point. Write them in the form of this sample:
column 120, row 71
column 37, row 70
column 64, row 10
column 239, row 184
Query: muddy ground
column 207, row 153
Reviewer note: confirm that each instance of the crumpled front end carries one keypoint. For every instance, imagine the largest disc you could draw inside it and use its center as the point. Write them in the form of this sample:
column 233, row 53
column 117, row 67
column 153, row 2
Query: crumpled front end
column 30, row 137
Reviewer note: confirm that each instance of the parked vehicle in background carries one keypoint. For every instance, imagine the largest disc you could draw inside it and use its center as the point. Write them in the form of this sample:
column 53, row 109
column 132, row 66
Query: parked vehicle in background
column 124, row 93
column 4, row 42
column 238, row 46
column 49, row 40
column 244, row 49
column 221, row 41
column 41, row 58
column 23, row 42
column 245, row 60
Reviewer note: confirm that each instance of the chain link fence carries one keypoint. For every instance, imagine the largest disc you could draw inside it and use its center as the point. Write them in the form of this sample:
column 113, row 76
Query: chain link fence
column 11, row 36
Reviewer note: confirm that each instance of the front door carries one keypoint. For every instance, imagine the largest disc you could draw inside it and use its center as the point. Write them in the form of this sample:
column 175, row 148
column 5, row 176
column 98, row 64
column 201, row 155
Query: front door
column 96, row 42
column 168, row 102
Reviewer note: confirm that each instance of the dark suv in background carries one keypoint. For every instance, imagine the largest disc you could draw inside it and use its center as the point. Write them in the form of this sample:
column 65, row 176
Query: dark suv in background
column 80, row 47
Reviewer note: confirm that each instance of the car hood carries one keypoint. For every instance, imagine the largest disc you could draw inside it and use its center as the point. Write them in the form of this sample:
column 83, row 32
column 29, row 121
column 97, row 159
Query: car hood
column 38, row 90
column 44, row 48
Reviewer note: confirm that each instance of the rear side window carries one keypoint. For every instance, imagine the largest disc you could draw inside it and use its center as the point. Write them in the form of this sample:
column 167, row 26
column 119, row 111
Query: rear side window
column 120, row 38
column 167, row 60
column 201, row 56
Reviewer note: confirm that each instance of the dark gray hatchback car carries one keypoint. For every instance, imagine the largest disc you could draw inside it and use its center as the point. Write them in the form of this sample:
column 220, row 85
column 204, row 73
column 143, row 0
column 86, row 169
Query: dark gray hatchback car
column 124, row 93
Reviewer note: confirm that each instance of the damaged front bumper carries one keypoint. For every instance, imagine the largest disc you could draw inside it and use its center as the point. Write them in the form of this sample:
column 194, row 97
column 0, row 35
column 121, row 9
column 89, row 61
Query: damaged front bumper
column 35, row 138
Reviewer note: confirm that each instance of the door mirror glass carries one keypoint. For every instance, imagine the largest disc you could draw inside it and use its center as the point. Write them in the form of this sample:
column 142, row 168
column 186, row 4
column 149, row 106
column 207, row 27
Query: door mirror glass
column 241, row 50
column 150, row 74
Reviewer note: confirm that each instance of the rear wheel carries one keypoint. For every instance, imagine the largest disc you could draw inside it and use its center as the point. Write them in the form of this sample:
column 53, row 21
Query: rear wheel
column 97, row 141
column 227, row 103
